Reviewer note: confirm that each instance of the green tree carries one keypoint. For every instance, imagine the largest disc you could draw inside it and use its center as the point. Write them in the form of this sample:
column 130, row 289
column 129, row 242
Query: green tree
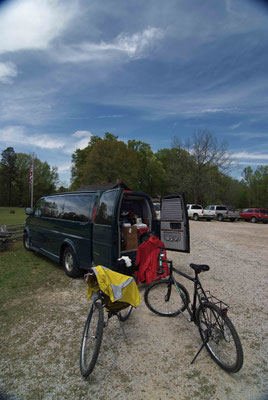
column 8, row 173
column 257, row 186
column 208, row 156
column 104, row 160
column 150, row 176
column 178, row 164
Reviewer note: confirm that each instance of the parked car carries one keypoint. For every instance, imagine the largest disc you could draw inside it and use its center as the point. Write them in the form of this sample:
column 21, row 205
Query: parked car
column 196, row 211
column 232, row 214
column 157, row 207
column 222, row 213
column 255, row 215
column 84, row 228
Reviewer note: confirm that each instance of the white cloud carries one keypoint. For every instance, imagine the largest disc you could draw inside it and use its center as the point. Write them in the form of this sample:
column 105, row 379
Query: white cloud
column 18, row 135
column 122, row 45
column 235, row 126
column 33, row 24
column 14, row 135
column 250, row 156
column 64, row 167
column 8, row 70
column 83, row 136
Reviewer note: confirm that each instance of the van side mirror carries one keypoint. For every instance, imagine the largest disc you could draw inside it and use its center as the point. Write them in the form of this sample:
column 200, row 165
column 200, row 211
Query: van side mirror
column 29, row 211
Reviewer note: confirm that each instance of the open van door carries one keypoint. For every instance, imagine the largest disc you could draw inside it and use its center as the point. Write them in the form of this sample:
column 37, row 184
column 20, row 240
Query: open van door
column 105, row 238
column 174, row 223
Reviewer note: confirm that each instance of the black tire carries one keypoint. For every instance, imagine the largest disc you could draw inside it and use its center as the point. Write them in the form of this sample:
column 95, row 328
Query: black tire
column 162, row 298
column 26, row 241
column 220, row 217
column 253, row 220
column 123, row 315
column 70, row 263
column 196, row 217
column 223, row 344
column 92, row 337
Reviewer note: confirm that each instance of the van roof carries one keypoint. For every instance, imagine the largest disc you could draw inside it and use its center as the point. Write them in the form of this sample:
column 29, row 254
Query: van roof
column 105, row 186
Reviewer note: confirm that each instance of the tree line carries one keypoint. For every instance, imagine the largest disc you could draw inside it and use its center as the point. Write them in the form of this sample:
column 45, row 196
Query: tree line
column 199, row 167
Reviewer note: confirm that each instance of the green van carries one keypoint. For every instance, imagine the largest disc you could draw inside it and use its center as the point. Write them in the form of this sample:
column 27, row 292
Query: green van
column 84, row 228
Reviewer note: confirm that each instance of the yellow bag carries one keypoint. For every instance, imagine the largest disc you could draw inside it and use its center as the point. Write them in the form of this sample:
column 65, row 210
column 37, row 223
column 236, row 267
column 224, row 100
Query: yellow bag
column 117, row 287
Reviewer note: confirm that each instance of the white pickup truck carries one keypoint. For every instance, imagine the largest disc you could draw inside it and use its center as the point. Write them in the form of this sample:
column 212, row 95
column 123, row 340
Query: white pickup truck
column 222, row 213
column 196, row 211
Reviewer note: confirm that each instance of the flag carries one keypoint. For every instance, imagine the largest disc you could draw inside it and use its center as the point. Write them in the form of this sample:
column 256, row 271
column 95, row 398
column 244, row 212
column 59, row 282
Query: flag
column 31, row 175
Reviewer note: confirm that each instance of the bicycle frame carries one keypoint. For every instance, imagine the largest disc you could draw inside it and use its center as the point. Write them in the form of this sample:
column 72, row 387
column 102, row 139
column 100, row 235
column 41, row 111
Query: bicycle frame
column 199, row 294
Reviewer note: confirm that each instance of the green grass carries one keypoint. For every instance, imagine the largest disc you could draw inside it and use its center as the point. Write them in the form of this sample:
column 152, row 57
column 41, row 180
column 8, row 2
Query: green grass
column 21, row 274
column 7, row 218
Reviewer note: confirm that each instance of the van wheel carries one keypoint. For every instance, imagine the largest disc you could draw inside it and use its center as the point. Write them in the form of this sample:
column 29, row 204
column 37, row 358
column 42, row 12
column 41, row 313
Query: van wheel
column 253, row 220
column 70, row 263
column 196, row 217
column 220, row 217
column 26, row 241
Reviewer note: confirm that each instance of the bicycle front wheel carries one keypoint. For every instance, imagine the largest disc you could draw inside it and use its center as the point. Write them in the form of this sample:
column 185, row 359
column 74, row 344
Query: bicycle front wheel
column 92, row 338
column 163, row 298
column 220, row 336
column 125, row 313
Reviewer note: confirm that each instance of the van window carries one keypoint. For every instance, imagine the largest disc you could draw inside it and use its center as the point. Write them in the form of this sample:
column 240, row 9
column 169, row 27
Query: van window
column 196, row 207
column 50, row 207
column 105, row 210
column 39, row 207
column 74, row 207
column 77, row 208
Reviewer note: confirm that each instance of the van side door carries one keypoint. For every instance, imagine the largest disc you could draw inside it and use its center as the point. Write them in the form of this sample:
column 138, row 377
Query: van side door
column 105, row 242
column 174, row 223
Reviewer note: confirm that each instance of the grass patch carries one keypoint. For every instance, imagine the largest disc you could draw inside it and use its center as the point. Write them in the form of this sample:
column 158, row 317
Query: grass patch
column 6, row 217
column 21, row 274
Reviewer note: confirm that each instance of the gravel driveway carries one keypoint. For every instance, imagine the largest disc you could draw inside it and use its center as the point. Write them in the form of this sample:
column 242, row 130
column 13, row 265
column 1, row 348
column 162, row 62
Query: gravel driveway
column 40, row 356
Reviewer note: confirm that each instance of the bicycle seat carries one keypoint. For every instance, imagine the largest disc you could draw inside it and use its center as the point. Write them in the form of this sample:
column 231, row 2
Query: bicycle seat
column 199, row 268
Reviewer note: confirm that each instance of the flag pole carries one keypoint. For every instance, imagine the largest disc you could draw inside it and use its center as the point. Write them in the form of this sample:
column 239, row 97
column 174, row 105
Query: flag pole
column 32, row 180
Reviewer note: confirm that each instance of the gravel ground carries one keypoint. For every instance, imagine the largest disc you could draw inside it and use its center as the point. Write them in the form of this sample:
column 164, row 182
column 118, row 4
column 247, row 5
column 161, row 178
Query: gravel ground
column 40, row 355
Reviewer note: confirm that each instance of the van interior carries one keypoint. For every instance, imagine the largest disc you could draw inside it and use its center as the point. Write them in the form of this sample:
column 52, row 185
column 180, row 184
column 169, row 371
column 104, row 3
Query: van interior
column 135, row 222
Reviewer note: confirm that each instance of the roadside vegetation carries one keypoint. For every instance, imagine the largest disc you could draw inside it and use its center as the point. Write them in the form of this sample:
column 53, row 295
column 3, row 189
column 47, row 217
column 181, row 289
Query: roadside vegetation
column 200, row 167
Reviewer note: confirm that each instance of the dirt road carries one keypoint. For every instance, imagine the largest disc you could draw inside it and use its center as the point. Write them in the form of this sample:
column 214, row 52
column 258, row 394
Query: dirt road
column 40, row 355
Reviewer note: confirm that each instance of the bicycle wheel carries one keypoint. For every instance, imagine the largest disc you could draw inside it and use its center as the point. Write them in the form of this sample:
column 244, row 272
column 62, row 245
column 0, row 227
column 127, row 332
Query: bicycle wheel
column 162, row 298
column 91, row 340
column 124, row 314
column 223, row 343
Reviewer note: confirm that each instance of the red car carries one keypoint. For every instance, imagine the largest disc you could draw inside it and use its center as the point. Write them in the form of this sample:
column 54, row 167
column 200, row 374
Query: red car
column 255, row 215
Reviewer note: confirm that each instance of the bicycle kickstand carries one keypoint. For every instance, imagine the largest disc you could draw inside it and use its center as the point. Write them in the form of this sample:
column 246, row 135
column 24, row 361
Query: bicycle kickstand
column 122, row 327
column 199, row 351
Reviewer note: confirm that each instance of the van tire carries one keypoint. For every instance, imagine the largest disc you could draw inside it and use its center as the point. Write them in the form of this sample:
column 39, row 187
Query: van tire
column 70, row 263
column 26, row 241
column 253, row 220
column 220, row 217
column 196, row 218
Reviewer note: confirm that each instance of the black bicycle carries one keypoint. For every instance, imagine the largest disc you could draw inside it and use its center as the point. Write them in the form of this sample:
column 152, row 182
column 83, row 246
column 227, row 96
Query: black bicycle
column 169, row 298
column 93, row 331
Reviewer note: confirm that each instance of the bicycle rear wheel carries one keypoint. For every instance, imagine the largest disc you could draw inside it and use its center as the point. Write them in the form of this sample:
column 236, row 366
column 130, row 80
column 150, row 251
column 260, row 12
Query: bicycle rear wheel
column 91, row 340
column 125, row 313
column 223, row 343
column 163, row 298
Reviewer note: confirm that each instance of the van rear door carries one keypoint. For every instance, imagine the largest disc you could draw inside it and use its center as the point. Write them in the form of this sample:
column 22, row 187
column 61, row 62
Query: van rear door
column 174, row 223
column 105, row 242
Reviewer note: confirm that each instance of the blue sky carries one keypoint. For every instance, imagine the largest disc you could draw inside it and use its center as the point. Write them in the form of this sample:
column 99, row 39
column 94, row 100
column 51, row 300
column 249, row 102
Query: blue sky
column 145, row 70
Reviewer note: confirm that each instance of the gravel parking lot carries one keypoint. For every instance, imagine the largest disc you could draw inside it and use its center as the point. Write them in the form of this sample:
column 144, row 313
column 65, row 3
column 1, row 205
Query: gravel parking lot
column 40, row 355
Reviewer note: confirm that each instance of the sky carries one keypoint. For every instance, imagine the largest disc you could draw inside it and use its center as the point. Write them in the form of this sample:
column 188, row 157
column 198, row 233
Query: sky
column 140, row 69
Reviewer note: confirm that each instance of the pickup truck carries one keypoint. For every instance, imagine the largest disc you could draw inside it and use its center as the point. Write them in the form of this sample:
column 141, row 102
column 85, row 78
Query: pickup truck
column 196, row 211
column 222, row 213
